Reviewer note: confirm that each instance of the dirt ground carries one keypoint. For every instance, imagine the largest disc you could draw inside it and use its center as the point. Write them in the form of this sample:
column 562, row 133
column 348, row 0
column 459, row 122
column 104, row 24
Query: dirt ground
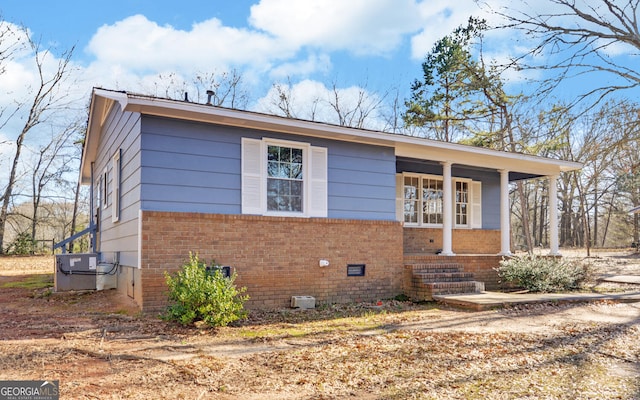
column 98, row 346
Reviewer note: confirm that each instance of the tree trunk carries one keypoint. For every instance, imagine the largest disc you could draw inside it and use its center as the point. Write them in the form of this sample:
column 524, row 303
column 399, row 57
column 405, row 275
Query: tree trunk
column 594, row 237
column 75, row 215
column 6, row 197
column 526, row 230
column 606, row 226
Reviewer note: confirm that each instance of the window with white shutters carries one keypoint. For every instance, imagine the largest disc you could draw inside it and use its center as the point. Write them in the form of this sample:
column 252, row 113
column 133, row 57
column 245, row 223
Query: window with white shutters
column 283, row 178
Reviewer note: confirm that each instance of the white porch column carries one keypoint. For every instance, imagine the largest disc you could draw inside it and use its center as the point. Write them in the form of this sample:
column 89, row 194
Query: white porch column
column 553, row 216
column 447, row 210
column 505, row 223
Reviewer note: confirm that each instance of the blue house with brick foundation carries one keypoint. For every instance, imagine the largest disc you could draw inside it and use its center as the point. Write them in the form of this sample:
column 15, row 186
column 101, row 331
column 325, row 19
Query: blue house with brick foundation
column 295, row 208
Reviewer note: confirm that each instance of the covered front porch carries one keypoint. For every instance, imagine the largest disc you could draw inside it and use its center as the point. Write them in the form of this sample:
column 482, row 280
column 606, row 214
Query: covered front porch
column 456, row 212
column 453, row 208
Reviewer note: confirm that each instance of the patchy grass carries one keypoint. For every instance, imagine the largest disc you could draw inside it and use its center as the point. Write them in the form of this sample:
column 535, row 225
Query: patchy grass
column 32, row 282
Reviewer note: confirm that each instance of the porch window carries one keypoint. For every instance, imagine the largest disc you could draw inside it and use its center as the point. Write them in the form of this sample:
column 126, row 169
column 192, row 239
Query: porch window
column 422, row 201
column 411, row 199
column 462, row 203
column 431, row 201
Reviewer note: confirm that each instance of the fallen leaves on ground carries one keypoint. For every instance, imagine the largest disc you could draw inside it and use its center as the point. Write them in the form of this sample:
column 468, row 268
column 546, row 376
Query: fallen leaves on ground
column 98, row 348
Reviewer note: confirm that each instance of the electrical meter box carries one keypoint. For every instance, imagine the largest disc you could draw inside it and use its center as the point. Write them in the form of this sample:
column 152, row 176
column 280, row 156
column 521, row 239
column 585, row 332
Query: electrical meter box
column 75, row 272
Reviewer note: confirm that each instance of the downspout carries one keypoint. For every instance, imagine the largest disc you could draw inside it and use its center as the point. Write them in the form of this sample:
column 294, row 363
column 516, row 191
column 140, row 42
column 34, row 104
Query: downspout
column 92, row 222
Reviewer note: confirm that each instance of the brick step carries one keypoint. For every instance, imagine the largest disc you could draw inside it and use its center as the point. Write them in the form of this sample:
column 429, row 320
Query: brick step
column 428, row 277
column 436, row 268
column 440, row 288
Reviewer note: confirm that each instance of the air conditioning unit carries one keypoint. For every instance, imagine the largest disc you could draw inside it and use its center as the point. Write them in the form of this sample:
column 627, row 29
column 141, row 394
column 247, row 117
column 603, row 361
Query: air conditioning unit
column 303, row 302
column 75, row 272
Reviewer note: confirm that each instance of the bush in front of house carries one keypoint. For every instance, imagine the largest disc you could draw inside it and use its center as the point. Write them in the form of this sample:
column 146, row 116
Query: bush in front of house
column 198, row 294
column 542, row 274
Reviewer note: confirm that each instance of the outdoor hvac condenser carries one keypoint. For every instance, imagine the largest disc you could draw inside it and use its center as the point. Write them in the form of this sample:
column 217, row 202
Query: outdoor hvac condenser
column 75, row 272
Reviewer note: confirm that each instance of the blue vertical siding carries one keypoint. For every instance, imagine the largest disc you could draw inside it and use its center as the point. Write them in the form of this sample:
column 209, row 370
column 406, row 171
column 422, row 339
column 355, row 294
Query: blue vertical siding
column 195, row 167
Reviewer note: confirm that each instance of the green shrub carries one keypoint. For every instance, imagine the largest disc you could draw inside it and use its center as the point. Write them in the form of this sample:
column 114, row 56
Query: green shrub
column 542, row 274
column 196, row 294
column 23, row 245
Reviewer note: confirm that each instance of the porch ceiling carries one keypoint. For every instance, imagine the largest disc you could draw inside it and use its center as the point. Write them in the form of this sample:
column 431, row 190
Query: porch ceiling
column 520, row 166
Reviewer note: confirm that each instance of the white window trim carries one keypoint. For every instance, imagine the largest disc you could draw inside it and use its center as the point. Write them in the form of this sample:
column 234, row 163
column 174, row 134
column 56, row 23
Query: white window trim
column 468, row 203
column 254, row 178
column 420, row 224
column 115, row 192
column 306, row 153
column 104, row 188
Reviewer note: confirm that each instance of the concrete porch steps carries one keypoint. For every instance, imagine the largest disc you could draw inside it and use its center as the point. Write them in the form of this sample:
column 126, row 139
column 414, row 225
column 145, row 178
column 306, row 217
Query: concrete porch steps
column 429, row 279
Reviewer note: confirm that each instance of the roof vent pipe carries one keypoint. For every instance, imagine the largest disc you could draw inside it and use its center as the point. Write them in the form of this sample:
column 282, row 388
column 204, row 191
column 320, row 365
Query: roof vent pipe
column 209, row 95
column 186, row 97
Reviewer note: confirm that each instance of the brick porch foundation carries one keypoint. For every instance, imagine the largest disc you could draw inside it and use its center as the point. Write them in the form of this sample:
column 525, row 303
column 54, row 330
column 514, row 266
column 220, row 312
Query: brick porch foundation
column 465, row 241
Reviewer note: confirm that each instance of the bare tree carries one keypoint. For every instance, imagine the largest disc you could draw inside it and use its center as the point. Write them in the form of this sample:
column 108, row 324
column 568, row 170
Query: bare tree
column 44, row 98
column 284, row 103
column 354, row 106
column 578, row 38
column 357, row 111
column 216, row 88
column 51, row 164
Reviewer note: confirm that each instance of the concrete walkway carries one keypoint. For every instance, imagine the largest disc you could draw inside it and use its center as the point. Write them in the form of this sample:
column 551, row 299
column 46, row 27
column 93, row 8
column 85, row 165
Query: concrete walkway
column 621, row 279
column 490, row 300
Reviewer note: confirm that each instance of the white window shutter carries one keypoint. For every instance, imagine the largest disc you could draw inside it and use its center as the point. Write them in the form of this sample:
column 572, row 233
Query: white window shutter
column 399, row 197
column 318, row 192
column 252, row 193
column 476, row 205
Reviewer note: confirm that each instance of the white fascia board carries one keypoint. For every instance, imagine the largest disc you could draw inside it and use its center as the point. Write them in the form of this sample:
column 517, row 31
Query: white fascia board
column 485, row 158
column 406, row 146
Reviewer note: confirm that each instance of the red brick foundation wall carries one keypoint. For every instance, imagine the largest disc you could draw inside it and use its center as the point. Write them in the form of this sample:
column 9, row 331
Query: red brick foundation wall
column 464, row 241
column 275, row 257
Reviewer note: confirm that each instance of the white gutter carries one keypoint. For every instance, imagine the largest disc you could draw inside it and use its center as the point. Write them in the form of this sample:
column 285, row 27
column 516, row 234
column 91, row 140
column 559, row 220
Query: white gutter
column 405, row 146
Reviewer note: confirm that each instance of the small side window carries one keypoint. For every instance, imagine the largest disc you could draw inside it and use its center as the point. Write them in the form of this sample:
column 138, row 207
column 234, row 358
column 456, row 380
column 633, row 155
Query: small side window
column 105, row 188
column 115, row 192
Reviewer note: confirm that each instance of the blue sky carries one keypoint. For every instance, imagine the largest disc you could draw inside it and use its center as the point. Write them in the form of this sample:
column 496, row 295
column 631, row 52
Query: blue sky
column 122, row 44
column 375, row 46
column 313, row 47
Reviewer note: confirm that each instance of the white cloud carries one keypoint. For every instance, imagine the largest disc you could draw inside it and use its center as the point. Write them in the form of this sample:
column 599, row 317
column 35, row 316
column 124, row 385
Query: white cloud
column 359, row 26
column 139, row 45
column 440, row 18
column 313, row 63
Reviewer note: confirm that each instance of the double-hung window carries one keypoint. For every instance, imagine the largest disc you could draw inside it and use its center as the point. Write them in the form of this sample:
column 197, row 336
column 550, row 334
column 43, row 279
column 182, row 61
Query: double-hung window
column 283, row 178
column 462, row 203
column 431, row 201
column 411, row 199
column 423, row 196
column 116, row 167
